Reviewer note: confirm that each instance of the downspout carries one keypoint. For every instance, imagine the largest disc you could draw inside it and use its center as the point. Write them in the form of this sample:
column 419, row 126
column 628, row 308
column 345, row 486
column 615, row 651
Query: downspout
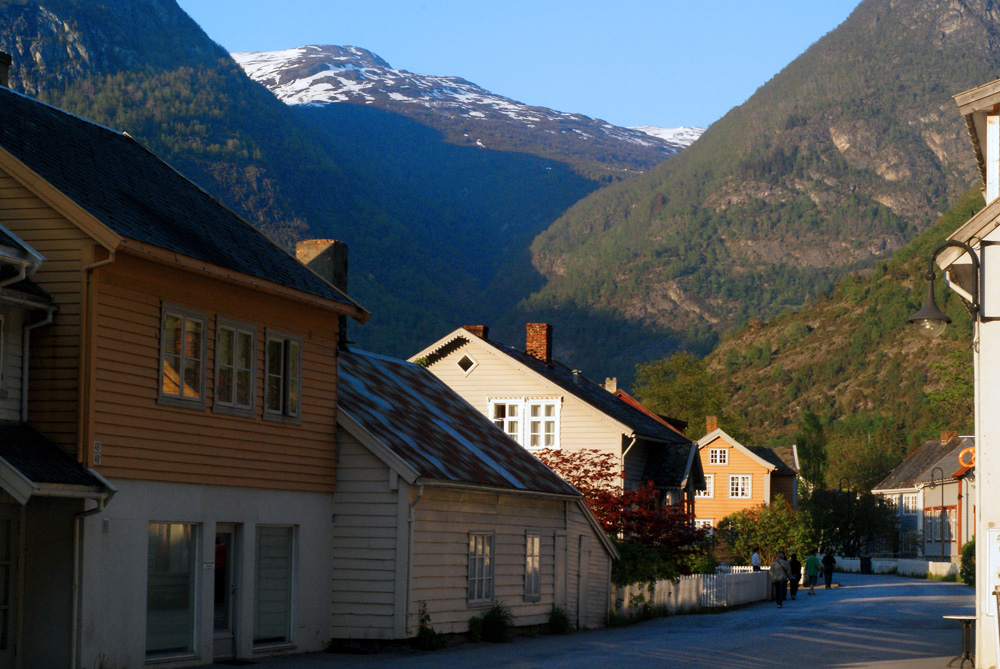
column 26, row 360
column 78, row 519
column 85, row 359
column 409, row 561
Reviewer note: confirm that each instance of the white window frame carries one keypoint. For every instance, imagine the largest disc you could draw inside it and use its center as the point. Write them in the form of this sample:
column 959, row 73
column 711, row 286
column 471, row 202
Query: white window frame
column 709, row 491
column 291, row 356
column 475, row 363
column 543, row 434
column 482, row 561
column 718, row 456
column 532, row 567
column 908, row 504
column 232, row 405
column 741, row 492
column 522, row 433
column 705, row 523
column 186, row 315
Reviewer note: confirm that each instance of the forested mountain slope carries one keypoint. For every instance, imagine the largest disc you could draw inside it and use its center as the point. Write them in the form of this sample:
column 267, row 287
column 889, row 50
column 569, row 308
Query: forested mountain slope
column 840, row 159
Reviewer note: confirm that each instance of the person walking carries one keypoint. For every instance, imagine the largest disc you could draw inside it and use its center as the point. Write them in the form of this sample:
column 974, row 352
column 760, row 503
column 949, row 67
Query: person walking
column 755, row 559
column 812, row 573
column 795, row 569
column 828, row 563
column 780, row 575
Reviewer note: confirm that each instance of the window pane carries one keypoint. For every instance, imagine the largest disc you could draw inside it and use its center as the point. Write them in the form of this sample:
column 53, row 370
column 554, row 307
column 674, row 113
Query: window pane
column 170, row 589
column 192, row 379
column 273, row 585
column 499, row 411
column 535, row 410
column 274, row 393
column 275, row 357
column 512, row 410
column 244, row 387
column 192, row 339
column 244, row 350
column 172, row 335
column 226, row 353
column 225, row 383
column 171, row 375
column 550, row 410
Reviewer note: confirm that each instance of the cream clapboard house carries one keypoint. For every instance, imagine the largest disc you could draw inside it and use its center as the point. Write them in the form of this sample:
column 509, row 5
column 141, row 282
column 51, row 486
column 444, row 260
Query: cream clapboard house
column 437, row 508
column 168, row 485
column 542, row 404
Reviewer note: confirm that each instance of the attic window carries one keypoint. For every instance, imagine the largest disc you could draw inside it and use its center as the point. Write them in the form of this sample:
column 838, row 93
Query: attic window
column 467, row 364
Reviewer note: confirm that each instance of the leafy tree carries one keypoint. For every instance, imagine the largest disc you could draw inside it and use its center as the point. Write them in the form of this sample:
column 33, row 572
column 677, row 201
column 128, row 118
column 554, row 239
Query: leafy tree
column 847, row 521
column 682, row 387
column 811, row 443
column 772, row 527
column 655, row 541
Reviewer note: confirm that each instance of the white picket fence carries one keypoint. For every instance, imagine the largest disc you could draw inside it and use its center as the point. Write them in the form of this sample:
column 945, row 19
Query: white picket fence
column 696, row 591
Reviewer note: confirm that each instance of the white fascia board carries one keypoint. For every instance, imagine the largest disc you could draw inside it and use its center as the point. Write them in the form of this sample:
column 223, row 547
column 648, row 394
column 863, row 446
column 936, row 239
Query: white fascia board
column 721, row 434
column 16, row 484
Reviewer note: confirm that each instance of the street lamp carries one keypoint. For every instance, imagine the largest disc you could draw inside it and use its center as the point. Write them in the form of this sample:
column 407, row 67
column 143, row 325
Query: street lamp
column 931, row 321
column 941, row 510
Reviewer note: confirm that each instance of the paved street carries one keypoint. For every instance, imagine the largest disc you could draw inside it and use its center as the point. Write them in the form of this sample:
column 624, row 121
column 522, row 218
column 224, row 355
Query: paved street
column 872, row 621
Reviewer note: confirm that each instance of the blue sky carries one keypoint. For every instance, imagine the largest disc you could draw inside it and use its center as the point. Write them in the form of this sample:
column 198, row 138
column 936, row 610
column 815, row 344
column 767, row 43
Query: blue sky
column 629, row 62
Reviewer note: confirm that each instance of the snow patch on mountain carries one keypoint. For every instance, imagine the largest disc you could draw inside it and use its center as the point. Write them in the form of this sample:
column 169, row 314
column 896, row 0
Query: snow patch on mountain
column 685, row 135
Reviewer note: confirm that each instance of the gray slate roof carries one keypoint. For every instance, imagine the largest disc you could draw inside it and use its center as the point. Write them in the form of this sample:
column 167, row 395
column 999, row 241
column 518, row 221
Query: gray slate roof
column 140, row 197
column 39, row 460
column 917, row 467
column 435, row 431
column 779, row 456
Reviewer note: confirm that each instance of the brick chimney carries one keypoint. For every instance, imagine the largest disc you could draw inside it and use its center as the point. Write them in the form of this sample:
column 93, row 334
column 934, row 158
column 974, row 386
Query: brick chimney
column 328, row 258
column 711, row 424
column 538, row 341
column 480, row 331
column 948, row 436
column 5, row 62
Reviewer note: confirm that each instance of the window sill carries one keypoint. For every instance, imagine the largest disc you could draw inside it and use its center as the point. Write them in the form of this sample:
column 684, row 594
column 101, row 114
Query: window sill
column 480, row 604
column 233, row 411
column 178, row 403
column 279, row 418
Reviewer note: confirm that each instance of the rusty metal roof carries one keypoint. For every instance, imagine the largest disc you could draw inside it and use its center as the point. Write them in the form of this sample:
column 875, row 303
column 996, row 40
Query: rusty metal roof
column 432, row 429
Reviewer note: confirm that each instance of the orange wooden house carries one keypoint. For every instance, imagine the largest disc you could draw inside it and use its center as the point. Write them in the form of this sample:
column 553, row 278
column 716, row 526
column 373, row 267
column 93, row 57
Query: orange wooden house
column 738, row 477
column 179, row 363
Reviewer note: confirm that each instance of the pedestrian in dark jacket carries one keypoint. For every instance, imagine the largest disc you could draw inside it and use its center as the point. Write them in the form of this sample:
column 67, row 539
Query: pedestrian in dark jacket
column 828, row 563
column 780, row 573
column 795, row 568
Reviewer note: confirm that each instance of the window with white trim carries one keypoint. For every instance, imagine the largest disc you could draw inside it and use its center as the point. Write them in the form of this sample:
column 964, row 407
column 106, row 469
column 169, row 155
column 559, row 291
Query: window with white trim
column 908, row 504
column 709, row 490
column 739, row 486
column 480, row 568
column 182, row 356
column 705, row 524
column 467, row 363
column 718, row 456
column 283, row 375
column 532, row 567
column 235, row 365
column 533, row 423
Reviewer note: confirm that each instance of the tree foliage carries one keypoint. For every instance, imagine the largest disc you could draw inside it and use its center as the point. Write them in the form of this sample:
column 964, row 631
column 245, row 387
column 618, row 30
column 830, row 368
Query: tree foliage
column 681, row 386
column 811, row 443
column 848, row 522
column 771, row 527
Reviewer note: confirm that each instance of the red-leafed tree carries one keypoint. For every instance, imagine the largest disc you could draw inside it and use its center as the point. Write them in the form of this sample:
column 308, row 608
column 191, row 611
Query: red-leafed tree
column 656, row 541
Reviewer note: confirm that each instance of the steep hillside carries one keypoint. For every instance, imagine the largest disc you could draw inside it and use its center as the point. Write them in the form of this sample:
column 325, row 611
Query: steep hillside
column 836, row 162
column 851, row 358
column 438, row 233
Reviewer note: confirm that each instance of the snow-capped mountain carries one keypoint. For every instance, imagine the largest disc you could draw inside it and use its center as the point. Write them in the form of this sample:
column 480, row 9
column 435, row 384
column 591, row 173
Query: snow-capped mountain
column 685, row 135
column 461, row 110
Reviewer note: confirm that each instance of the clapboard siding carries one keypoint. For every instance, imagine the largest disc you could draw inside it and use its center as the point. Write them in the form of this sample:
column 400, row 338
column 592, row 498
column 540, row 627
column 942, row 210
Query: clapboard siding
column 142, row 439
column 12, row 352
column 366, row 548
column 580, row 425
column 720, row 504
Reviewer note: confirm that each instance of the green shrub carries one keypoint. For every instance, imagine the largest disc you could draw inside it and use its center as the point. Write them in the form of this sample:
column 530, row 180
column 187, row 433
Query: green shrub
column 475, row 632
column 427, row 637
column 558, row 621
column 498, row 623
column 968, row 569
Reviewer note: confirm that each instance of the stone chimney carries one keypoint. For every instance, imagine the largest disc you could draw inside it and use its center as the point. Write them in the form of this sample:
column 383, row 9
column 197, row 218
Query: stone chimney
column 5, row 62
column 711, row 424
column 480, row 331
column 328, row 258
column 948, row 436
column 611, row 384
column 538, row 341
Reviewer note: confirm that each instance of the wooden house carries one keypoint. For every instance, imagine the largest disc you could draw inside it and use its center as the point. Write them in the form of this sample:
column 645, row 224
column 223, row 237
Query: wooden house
column 436, row 509
column 738, row 477
column 543, row 404
column 180, row 363
column 934, row 497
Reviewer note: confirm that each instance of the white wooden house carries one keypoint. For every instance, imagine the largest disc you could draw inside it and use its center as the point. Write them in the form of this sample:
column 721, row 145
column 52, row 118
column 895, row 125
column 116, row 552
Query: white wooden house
column 436, row 507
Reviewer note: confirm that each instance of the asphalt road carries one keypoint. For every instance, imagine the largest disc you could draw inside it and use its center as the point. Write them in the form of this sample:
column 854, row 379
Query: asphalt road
column 871, row 621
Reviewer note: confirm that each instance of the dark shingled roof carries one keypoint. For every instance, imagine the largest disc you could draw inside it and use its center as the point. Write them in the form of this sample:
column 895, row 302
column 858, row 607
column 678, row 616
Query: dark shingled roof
column 921, row 461
column 140, row 197
column 39, row 460
column 431, row 428
column 779, row 456
column 948, row 462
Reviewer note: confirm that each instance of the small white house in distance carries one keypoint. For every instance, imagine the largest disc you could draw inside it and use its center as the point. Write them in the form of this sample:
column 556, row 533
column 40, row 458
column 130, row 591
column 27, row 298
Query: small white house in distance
column 543, row 404
column 436, row 507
